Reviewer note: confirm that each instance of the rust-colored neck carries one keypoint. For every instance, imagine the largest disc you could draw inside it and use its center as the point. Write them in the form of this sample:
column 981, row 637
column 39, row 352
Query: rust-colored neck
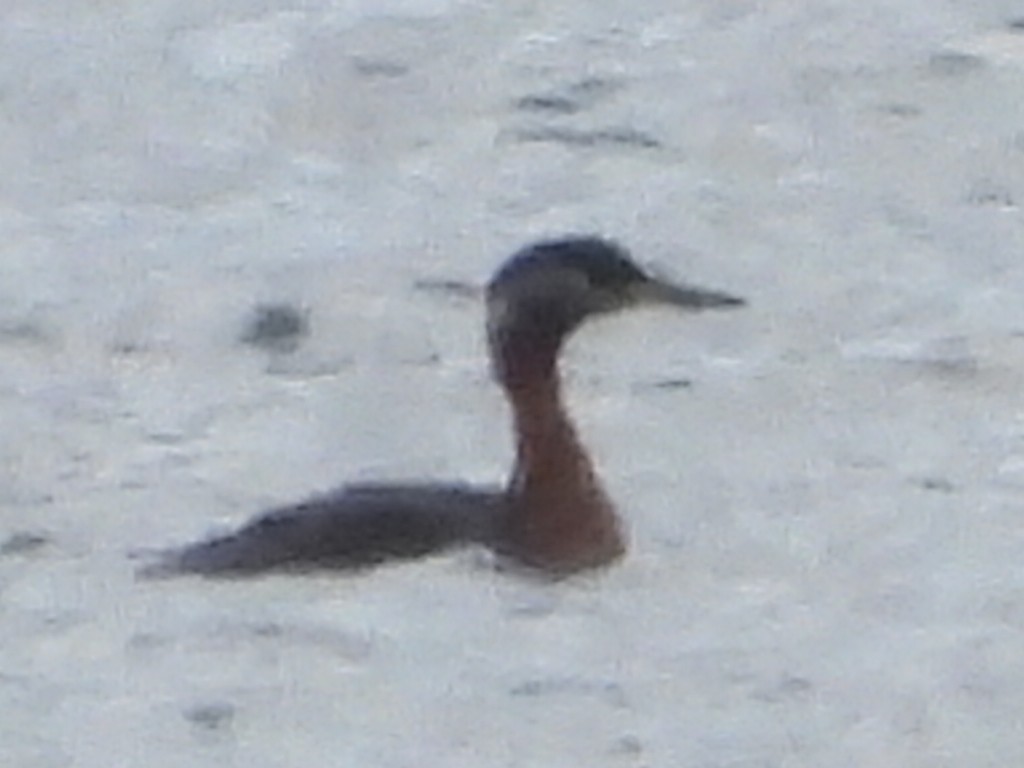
column 560, row 518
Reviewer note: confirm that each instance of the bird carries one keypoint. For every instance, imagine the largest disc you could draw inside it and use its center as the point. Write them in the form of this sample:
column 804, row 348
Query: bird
column 552, row 517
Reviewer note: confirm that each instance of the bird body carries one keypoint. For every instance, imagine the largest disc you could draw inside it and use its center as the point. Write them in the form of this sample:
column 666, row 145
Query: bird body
column 552, row 516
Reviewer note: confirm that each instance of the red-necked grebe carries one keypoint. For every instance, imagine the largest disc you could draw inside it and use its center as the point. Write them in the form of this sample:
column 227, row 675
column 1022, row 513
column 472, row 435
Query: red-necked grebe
column 553, row 515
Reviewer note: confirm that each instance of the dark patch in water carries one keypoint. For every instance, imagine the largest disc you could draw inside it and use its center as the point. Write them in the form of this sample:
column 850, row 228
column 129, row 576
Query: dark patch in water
column 669, row 384
column 900, row 109
column 561, row 105
column 456, row 289
column 986, row 192
column 575, row 137
column 627, row 746
column 23, row 543
column 211, row 717
column 142, row 642
column 379, row 67
column 276, row 327
column 569, row 100
column 611, row 692
column 789, row 687
column 954, row 64
column 24, row 332
column 939, row 484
